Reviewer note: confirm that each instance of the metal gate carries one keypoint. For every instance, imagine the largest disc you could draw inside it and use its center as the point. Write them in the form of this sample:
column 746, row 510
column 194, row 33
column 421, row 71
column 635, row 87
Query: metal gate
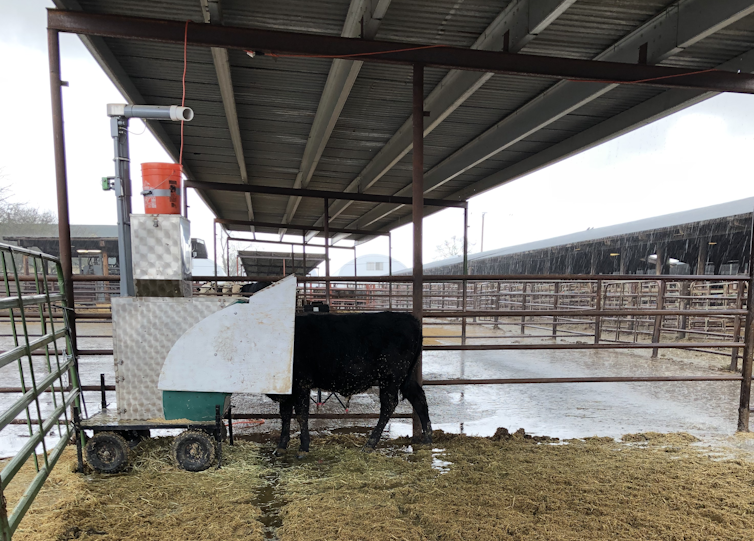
column 45, row 364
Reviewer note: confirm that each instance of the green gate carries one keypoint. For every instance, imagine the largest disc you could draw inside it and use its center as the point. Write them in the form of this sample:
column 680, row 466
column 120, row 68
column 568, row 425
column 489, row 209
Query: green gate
column 30, row 300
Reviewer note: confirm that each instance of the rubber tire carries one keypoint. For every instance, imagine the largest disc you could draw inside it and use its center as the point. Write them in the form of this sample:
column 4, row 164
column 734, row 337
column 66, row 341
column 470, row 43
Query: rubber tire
column 107, row 452
column 193, row 450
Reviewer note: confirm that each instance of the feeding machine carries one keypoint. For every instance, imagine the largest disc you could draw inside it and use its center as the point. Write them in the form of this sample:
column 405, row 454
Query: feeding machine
column 178, row 358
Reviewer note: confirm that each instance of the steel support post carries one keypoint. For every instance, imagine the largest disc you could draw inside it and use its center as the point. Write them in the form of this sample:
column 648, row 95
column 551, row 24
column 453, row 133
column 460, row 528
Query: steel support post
column 465, row 270
column 327, row 249
column 745, row 399
column 598, row 307
column 355, row 274
column 656, row 332
column 736, row 326
column 418, row 211
column 390, row 270
column 556, row 295
column 61, row 179
column 119, row 133
column 303, row 249
column 214, row 248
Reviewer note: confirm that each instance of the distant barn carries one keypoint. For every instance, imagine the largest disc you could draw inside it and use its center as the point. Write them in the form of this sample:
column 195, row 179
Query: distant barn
column 708, row 240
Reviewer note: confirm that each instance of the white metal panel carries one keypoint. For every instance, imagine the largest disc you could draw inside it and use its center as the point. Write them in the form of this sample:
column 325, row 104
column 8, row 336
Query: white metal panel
column 161, row 247
column 144, row 330
column 245, row 348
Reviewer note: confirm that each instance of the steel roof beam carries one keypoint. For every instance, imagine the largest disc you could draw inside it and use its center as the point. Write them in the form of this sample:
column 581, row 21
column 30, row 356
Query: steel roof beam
column 518, row 24
column 676, row 28
column 212, row 13
column 320, row 194
column 400, row 53
column 343, row 73
column 301, row 227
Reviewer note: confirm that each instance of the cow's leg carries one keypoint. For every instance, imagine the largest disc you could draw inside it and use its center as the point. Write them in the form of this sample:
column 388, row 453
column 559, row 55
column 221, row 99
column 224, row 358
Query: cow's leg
column 414, row 393
column 286, row 412
column 388, row 402
column 302, row 414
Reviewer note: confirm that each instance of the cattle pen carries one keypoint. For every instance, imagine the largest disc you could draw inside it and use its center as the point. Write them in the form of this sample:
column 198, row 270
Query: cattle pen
column 327, row 125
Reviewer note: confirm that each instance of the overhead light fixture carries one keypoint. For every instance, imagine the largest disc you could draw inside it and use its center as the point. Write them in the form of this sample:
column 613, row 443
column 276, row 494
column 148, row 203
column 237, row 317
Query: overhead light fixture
column 711, row 243
column 614, row 254
column 89, row 251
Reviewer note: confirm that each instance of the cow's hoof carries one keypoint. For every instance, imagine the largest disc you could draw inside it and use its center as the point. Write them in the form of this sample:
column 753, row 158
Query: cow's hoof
column 368, row 448
column 280, row 451
column 427, row 439
column 302, row 455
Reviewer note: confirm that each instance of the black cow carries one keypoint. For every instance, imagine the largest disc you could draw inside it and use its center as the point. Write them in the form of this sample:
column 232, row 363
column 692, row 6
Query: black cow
column 254, row 287
column 348, row 354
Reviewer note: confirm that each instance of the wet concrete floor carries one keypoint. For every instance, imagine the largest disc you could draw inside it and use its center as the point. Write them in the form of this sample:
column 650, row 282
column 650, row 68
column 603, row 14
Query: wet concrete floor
column 705, row 409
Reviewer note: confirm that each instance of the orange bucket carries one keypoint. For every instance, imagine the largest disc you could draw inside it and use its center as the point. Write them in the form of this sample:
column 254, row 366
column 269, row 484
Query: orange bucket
column 161, row 188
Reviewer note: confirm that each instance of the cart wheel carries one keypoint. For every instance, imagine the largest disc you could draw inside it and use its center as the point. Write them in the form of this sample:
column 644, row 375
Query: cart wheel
column 193, row 450
column 107, row 452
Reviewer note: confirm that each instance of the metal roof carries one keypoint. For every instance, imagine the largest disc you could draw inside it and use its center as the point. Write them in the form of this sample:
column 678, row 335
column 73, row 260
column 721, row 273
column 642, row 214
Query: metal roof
column 300, row 122
column 261, row 263
column 50, row 231
column 702, row 217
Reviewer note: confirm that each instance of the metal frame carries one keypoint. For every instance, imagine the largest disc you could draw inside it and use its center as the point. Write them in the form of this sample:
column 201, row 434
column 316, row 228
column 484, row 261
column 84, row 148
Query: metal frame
column 58, row 364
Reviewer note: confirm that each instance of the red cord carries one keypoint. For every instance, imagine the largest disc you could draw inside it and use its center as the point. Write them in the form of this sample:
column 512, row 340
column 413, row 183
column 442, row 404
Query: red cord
column 350, row 55
column 183, row 97
column 639, row 81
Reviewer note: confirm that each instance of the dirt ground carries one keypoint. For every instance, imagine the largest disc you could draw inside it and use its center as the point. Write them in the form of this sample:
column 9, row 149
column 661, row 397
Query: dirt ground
column 649, row 486
column 464, row 487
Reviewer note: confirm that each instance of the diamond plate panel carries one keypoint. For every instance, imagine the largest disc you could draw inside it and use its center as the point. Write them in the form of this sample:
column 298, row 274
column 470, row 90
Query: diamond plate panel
column 161, row 246
column 144, row 330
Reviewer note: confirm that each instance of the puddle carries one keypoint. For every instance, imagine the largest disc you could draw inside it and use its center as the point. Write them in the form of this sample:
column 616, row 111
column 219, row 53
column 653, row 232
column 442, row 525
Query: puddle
column 442, row 466
column 270, row 502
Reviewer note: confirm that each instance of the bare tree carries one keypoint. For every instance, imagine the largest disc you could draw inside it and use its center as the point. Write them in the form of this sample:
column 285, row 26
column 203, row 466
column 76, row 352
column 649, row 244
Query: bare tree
column 21, row 213
column 451, row 247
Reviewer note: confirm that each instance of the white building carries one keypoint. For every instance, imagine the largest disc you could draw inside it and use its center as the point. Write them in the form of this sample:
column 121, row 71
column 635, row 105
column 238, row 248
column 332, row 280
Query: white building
column 370, row 265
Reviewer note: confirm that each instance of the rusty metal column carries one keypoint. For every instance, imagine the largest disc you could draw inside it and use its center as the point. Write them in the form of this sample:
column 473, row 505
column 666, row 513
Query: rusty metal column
column 598, row 319
column 745, row 398
column 306, row 273
column 390, row 270
column 61, row 179
column 657, row 331
column 418, row 212
column 465, row 269
column 736, row 325
column 327, row 250
column 214, row 248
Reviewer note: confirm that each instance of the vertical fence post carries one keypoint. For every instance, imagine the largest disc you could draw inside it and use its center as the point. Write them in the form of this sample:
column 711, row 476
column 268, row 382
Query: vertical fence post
column 417, row 205
column 737, row 326
column 656, row 333
column 327, row 250
column 523, row 307
column 556, row 294
column 465, row 270
column 306, row 271
column 684, row 305
column 390, row 270
column 598, row 307
column 746, row 365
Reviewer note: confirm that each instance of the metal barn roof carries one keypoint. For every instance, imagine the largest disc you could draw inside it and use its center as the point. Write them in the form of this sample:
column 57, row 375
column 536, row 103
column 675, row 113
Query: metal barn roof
column 259, row 263
column 701, row 218
column 343, row 125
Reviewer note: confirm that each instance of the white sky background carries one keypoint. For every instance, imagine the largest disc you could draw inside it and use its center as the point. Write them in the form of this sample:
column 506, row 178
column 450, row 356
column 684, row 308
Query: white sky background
column 698, row 157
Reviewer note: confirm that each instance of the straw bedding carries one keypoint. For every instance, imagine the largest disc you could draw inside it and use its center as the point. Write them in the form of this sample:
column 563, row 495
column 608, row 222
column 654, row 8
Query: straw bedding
column 649, row 486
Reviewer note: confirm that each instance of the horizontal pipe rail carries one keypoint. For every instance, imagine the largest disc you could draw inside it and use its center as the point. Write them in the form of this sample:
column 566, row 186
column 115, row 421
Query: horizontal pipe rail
column 616, row 345
column 608, row 379
column 20, row 351
column 22, row 403
column 28, row 300
column 17, row 461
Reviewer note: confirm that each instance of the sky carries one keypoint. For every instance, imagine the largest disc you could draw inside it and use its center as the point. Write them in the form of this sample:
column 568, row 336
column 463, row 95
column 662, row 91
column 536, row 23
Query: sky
column 694, row 158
